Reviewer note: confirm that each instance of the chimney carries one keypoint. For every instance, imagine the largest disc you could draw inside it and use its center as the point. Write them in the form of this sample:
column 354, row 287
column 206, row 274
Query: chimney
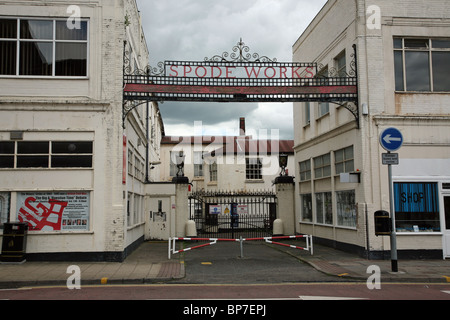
column 242, row 126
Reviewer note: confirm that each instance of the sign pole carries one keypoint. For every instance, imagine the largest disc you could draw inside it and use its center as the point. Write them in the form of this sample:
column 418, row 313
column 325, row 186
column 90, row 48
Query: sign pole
column 394, row 259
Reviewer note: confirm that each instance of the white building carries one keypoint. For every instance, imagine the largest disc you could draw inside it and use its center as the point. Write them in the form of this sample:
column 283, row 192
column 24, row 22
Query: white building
column 67, row 165
column 403, row 58
column 232, row 163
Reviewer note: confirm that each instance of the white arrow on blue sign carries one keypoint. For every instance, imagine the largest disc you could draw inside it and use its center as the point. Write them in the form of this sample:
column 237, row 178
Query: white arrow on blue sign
column 391, row 139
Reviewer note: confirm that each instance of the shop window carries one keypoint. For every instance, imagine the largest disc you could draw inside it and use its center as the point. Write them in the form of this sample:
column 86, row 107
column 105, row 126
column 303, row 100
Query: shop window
column 422, row 64
column 416, row 207
column 306, row 207
column 346, row 208
column 324, row 208
column 43, row 47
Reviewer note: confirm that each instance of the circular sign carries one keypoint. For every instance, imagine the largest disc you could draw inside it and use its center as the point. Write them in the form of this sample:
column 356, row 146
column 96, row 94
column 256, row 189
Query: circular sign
column 391, row 139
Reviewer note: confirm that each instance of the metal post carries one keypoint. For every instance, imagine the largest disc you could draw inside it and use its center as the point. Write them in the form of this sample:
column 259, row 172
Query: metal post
column 242, row 247
column 394, row 260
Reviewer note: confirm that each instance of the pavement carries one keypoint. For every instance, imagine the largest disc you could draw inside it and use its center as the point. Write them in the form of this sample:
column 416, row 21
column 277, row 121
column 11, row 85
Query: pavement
column 150, row 264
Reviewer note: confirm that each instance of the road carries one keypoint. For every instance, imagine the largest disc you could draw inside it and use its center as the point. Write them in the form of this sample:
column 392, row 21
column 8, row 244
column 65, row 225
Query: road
column 188, row 292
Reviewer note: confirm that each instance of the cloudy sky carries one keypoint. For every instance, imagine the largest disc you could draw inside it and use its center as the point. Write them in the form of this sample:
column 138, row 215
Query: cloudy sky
column 191, row 30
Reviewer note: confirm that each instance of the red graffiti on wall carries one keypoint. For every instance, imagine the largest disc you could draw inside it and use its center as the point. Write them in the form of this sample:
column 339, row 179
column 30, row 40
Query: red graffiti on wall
column 39, row 215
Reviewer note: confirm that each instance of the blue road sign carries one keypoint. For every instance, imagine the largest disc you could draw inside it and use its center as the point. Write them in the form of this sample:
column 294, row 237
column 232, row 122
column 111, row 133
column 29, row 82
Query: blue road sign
column 391, row 139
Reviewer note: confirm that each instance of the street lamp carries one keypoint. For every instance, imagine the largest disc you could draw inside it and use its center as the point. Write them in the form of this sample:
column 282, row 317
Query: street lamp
column 283, row 162
column 180, row 164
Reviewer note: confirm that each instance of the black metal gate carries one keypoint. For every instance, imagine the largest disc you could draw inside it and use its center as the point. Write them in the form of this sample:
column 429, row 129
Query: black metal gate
column 230, row 215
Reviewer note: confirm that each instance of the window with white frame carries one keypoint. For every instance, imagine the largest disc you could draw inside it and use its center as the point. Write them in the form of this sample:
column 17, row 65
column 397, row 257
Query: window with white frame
column 43, row 47
column 422, row 64
column 213, row 172
column 198, row 164
column 307, row 116
column 306, row 214
column 344, row 161
column 253, row 169
column 46, row 154
column 346, row 208
column 305, row 170
column 340, row 63
column 324, row 208
column 322, row 166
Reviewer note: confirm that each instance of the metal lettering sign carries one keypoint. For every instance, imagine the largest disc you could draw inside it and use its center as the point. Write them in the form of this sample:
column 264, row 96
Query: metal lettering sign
column 240, row 77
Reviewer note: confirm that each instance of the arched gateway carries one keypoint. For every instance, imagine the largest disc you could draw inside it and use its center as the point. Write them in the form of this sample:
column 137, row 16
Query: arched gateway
column 240, row 77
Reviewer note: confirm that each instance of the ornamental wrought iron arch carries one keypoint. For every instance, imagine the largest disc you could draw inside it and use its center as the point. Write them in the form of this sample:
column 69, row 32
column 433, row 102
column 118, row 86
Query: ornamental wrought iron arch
column 239, row 76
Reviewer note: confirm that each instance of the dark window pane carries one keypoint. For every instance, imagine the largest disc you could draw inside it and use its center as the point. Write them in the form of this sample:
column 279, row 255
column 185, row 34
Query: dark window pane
column 32, row 162
column 32, row 148
column 417, row 71
column 417, row 43
column 8, row 57
column 8, row 28
column 36, row 29
column 441, row 44
column 441, row 67
column 71, row 161
column 398, row 58
column 36, row 58
column 72, row 147
column 398, row 43
column 6, row 147
column 64, row 33
column 7, row 162
column 71, row 59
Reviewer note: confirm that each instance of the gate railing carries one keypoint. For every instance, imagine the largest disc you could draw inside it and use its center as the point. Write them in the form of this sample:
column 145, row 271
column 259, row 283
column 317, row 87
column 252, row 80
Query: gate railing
column 213, row 241
column 224, row 214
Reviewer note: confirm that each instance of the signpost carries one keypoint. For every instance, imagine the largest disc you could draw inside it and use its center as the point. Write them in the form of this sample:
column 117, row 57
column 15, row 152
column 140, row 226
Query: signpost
column 391, row 140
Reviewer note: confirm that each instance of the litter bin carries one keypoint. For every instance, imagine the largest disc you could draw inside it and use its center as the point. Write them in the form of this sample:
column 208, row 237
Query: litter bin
column 14, row 242
column 383, row 224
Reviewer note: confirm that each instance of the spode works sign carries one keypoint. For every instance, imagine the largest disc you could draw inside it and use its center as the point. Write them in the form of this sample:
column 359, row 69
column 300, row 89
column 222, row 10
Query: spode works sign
column 243, row 70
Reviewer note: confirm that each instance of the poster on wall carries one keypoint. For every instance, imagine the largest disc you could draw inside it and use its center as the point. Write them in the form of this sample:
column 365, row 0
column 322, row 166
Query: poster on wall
column 54, row 211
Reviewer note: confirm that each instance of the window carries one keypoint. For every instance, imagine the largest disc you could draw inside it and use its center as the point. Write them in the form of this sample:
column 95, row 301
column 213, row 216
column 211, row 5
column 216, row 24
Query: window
column 306, row 207
column 173, row 164
column 346, row 208
column 422, row 64
column 416, row 207
column 323, row 107
column 305, row 170
column 4, row 207
column 307, row 113
column 198, row 164
column 45, row 154
column 42, row 47
column 213, row 172
column 322, row 166
column 253, row 169
column 324, row 208
column 344, row 160
column 340, row 63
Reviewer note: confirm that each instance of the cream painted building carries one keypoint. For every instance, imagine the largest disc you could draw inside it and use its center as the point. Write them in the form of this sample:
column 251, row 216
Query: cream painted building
column 232, row 163
column 403, row 58
column 70, row 165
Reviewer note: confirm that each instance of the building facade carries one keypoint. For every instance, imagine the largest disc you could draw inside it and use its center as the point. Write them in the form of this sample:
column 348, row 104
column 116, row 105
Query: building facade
column 232, row 163
column 402, row 56
column 71, row 165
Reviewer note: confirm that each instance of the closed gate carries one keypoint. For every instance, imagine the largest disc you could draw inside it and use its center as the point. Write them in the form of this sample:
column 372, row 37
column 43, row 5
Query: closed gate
column 230, row 215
